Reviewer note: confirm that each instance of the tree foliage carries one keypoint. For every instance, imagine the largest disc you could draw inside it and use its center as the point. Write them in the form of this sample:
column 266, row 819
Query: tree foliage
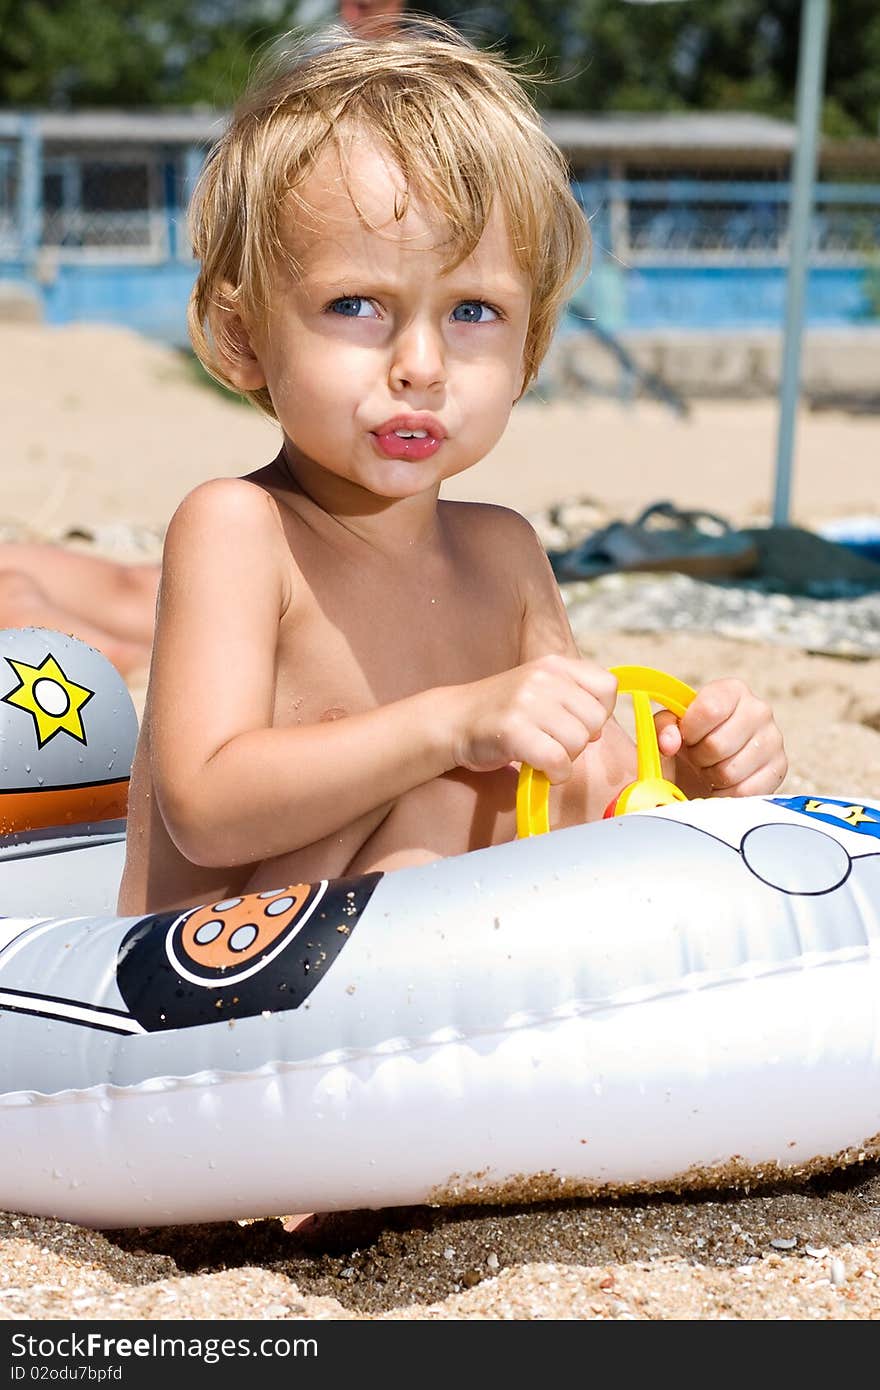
column 596, row 55
column 57, row 53
column 607, row 55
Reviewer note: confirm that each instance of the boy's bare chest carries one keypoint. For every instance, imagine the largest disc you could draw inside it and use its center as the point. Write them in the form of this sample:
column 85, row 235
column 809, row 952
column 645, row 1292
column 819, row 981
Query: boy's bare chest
column 356, row 640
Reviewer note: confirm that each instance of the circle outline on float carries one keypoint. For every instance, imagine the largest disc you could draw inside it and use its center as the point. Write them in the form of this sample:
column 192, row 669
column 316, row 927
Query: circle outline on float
column 777, row 830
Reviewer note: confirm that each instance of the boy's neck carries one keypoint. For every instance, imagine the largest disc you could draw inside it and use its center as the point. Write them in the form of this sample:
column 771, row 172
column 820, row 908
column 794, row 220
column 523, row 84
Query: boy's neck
column 393, row 525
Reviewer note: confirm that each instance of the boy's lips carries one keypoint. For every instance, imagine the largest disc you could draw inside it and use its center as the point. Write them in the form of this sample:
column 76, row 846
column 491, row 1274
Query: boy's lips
column 416, row 436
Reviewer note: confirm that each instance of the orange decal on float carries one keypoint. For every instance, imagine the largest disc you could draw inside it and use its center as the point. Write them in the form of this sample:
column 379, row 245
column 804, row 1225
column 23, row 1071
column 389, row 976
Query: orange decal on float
column 239, row 956
column 234, row 931
column 63, row 806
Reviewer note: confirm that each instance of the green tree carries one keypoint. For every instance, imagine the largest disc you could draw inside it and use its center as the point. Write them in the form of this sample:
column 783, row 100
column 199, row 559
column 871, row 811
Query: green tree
column 119, row 53
column 606, row 55
column 599, row 55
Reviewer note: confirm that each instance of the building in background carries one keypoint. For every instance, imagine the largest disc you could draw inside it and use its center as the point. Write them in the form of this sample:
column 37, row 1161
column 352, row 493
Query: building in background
column 689, row 216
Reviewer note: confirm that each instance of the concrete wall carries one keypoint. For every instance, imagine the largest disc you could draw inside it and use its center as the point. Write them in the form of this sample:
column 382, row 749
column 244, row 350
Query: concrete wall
column 840, row 366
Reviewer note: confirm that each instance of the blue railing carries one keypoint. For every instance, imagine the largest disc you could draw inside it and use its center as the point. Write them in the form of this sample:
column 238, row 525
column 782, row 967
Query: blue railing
column 668, row 252
column 645, row 217
column 713, row 253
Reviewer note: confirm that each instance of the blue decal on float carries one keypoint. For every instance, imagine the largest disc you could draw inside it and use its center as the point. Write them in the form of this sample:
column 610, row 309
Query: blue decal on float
column 851, row 815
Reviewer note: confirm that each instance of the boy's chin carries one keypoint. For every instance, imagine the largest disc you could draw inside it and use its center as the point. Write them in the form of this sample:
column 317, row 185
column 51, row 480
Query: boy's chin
column 404, row 491
column 401, row 479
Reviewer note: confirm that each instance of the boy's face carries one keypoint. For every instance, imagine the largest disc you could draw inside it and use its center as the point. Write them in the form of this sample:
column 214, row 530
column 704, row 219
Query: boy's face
column 374, row 341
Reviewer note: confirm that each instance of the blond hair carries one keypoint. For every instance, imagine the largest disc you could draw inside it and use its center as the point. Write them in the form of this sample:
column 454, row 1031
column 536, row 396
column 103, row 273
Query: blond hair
column 456, row 122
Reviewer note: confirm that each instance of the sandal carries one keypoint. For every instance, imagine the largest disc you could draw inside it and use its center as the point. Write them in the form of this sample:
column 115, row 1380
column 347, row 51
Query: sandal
column 663, row 537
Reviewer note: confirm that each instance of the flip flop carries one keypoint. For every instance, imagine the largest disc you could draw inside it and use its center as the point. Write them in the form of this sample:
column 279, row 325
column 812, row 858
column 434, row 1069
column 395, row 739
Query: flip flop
column 663, row 537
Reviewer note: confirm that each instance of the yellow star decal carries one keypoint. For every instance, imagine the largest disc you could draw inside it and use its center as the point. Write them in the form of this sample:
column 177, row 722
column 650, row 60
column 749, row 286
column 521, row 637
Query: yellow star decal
column 51, row 699
column 852, row 815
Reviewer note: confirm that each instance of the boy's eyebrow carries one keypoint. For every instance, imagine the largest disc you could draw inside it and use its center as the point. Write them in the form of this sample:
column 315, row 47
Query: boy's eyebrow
column 354, row 277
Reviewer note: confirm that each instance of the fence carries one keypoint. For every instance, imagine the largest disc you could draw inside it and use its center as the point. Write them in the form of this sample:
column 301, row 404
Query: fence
column 692, row 251
column 93, row 222
column 93, row 214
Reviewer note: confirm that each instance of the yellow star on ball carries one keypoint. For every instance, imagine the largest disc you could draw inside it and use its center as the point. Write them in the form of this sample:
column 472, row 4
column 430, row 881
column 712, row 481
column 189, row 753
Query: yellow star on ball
column 50, row 698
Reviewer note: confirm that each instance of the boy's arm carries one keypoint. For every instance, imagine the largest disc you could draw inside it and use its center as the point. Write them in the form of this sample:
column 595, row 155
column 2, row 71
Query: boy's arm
column 233, row 789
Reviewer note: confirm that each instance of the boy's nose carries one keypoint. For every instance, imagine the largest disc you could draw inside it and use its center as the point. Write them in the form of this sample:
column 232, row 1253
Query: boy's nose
column 417, row 360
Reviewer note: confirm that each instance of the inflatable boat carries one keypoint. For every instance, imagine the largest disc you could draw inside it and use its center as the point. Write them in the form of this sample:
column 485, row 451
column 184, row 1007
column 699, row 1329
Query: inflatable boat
column 685, row 996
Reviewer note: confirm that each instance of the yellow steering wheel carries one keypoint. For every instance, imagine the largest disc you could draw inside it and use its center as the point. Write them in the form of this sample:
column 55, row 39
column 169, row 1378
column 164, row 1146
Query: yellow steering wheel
column 650, row 788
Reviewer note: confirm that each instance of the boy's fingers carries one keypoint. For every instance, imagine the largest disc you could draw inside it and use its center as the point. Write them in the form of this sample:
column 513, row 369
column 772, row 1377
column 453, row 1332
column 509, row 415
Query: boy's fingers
column 547, row 756
column 591, row 712
column 730, row 738
column 669, row 738
column 596, row 681
column 714, row 705
column 750, row 724
column 569, row 730
column 766, row 780
column 761, row 755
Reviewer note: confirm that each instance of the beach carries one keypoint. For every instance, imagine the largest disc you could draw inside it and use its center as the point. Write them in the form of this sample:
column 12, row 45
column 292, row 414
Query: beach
column 104, row 434
column 101, row 426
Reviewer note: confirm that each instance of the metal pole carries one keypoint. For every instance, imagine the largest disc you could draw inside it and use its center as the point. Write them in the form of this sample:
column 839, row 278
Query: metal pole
column 30, row 192
column 810, row 83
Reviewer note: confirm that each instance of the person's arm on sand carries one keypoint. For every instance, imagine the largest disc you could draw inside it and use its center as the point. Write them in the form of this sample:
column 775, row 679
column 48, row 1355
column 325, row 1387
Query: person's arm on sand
column 231, row 788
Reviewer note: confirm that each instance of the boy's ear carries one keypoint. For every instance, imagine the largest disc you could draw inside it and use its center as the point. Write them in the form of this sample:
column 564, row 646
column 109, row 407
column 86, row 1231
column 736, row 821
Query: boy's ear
column 234, row 343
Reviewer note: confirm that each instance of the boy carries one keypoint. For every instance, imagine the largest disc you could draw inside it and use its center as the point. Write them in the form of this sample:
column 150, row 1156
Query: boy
column 347, row 670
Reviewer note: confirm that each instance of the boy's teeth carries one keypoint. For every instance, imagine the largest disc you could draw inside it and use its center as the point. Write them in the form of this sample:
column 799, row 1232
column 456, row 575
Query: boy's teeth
column 411, row 434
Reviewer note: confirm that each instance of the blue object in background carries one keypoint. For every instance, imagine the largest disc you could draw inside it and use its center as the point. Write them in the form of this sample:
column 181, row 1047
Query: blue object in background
column 690, row 295
column 858, row 533
column 93, row 220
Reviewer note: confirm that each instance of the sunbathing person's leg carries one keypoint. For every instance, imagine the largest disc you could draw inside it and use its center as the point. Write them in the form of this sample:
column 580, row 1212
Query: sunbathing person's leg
column 107, row 604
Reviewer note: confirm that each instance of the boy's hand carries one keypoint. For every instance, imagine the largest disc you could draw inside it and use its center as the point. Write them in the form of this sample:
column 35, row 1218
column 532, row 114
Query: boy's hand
column 726, row 743
column 544, row 712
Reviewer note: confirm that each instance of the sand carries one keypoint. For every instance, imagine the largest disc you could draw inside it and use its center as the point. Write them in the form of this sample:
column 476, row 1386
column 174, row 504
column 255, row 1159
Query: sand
column 103, row 434
column 100, row 426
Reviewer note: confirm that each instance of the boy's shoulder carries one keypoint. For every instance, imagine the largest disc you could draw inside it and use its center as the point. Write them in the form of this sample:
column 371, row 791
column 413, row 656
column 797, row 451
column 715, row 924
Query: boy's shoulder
column 224, row 503
column 488, row 518
column 225, row 518
column 495, row 529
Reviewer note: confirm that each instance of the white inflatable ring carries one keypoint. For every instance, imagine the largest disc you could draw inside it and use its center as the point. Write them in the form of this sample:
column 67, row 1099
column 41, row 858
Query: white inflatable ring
column 683, row 997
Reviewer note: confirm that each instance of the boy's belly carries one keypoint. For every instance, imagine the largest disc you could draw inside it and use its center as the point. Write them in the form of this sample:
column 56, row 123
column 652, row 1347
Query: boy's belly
column 452, row 814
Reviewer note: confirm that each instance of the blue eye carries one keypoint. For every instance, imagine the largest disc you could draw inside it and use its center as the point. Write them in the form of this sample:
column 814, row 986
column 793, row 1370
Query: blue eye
column 352, row 306
column 472, row 311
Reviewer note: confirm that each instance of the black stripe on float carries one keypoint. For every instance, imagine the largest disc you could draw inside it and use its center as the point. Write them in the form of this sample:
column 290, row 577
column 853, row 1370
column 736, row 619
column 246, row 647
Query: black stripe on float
column 68, row 1011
